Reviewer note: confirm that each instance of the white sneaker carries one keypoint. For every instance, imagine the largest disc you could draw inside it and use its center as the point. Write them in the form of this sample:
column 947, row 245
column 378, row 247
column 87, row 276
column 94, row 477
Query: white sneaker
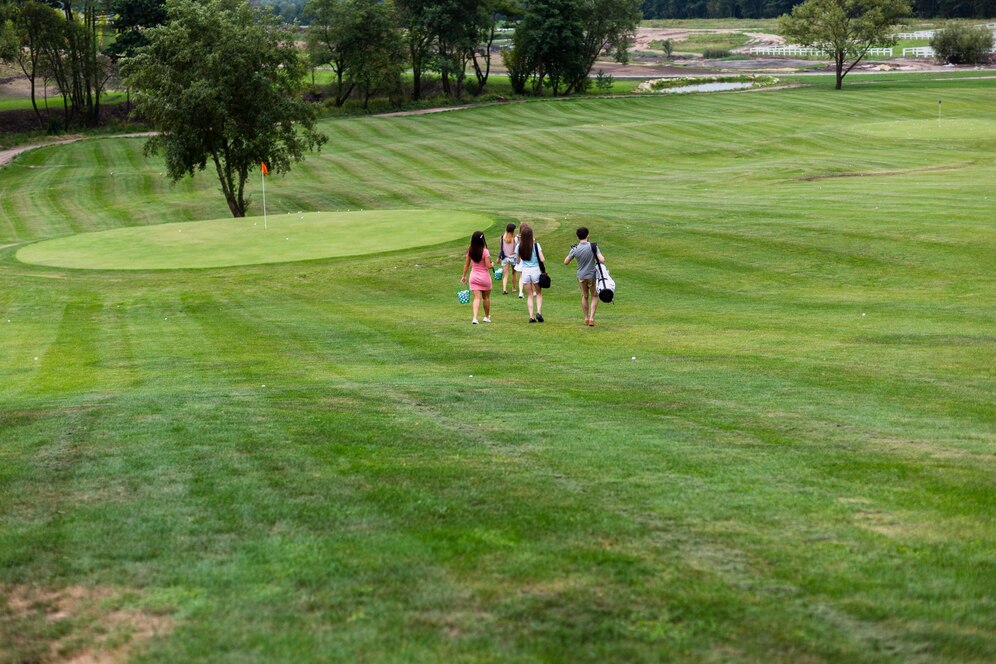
column 520, row 296
column 487, row 319
column 473, row 322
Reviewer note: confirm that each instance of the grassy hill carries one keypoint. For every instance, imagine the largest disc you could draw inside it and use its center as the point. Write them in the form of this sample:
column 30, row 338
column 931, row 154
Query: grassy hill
column 777, row 445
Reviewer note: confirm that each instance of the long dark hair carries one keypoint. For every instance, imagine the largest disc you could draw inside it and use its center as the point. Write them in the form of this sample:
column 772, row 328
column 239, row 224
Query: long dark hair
column 477, row 245
column 525, row 242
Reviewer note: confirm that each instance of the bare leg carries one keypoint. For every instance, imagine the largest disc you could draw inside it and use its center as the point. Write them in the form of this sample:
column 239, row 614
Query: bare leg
column 477, row 302
column 584, row 304
column 539, row 299
column 487, row 304
column 594, row 305
column 529, row 298
column 504, row 280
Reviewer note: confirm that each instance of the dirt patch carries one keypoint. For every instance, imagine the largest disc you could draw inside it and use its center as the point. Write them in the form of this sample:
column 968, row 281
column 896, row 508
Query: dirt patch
column 868, row 174
column 76, row 624
column 645, row 36
column 425, row 111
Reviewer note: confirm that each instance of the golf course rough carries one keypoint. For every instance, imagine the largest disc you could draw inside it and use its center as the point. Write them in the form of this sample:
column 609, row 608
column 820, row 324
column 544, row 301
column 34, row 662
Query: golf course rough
column 231, row 242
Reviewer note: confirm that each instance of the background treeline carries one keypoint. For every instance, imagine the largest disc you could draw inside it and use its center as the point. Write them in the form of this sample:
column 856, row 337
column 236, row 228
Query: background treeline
column 291, row 11
column 771, row 8
column 369, row 44
column 64, row 43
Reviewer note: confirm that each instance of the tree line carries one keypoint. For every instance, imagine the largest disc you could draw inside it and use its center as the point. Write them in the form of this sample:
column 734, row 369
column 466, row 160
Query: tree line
column 64, row 43
column 678, row 9
column 368, row 43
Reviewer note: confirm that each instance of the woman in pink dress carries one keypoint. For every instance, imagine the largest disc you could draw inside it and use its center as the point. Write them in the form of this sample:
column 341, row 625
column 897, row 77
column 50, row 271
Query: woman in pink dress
column 479, row 262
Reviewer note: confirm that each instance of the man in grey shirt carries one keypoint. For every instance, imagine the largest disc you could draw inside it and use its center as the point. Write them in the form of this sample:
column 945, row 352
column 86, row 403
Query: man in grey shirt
column 586, row 274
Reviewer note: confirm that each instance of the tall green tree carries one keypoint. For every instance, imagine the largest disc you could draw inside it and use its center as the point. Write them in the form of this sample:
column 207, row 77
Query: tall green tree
column 416, row 18
column 222, row 83
column 446, row 36
column 359, row 40
column 80, row 68
column 28, row 30
column 131, row 18
column 846, row 29
column 607, row 25
column 62, row 41
column 558, row 41
column 551, row 36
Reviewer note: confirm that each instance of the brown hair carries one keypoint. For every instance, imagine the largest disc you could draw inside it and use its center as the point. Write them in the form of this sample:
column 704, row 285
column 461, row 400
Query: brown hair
column 477, row 245
column 525, row 242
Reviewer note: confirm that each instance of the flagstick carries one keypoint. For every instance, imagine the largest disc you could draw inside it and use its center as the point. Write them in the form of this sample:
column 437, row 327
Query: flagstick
column 263, row 176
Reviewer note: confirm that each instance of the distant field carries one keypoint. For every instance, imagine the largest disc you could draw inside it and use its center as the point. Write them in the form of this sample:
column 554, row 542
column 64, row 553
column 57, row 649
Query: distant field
column 777, row 445
column 761, row 25
column 697, row 43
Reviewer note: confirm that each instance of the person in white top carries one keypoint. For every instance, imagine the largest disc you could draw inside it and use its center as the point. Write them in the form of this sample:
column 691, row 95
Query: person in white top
column 508, row 259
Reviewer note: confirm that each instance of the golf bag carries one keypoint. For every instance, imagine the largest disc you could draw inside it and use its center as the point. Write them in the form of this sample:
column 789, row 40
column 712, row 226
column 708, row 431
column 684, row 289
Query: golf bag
column 604, row 283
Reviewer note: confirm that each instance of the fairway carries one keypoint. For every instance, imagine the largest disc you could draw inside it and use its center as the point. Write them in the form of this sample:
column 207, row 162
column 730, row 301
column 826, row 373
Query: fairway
column 777, row 445
column 933, row 129
column 248, row 241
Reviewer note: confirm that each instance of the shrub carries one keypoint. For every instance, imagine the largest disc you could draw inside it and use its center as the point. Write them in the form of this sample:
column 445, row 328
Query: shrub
column 962, row 44
column 519, row 68
column 715, row 53
column 603, row 81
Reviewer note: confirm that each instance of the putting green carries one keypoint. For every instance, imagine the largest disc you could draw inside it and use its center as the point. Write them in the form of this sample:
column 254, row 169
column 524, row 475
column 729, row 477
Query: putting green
column 231, row 242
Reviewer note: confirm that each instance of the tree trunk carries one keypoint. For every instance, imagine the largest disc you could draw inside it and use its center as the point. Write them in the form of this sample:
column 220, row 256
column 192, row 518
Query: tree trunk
column 415, row 51
column 482, row 76
column 341, row 96
column 840, row 70
column 241, row 198
column 32, row 75
column 34, row 103
column 416, row 84
column 224, row 176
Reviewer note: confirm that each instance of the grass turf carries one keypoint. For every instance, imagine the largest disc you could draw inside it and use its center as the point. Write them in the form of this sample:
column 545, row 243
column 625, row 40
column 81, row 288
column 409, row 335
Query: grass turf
column 324, row 460
column 252, row 241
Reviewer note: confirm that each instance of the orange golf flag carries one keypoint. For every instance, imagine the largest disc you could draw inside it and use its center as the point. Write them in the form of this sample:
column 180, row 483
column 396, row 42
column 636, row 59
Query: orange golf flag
column 265, row 169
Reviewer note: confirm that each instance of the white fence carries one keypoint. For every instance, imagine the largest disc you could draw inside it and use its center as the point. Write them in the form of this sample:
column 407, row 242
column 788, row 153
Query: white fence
column 929, row 34
column 805, row 50
column 918, row 52
column 919, row 34
column 786, row 50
